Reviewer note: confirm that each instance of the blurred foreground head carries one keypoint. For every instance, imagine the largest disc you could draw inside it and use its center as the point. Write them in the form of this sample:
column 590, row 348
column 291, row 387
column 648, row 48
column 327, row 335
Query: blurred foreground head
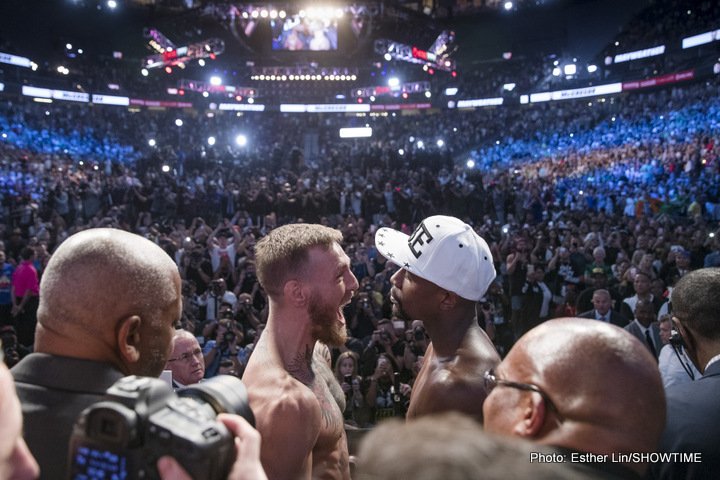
column 581, row 385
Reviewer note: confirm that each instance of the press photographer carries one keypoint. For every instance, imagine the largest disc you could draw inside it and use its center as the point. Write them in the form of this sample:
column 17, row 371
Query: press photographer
column 226, row 345
column 216, row 295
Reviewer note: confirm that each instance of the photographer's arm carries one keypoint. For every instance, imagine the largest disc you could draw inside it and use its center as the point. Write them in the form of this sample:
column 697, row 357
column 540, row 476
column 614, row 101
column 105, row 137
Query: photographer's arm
column 247, row 464
column 211, row 238
column 409, row 357
column 512, row 261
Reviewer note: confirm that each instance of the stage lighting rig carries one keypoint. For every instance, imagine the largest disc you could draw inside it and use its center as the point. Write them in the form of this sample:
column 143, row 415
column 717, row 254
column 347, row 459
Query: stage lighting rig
column 169, row 55
column 203, row 87
column 407, row 53
column 403, row 90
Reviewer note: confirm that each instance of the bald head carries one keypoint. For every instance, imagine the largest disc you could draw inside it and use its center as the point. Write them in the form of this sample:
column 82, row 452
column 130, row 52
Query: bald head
column 602, row 381
column 95, row 281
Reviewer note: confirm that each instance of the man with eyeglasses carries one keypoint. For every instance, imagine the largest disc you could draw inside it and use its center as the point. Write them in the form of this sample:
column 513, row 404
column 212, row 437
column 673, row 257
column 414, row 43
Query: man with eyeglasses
column 590, row 390
column 693, row 414
column 186, row 360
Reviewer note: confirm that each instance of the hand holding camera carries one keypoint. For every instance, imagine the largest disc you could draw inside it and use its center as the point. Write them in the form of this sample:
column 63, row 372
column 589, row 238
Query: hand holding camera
column 346, row 385
column 141, row 420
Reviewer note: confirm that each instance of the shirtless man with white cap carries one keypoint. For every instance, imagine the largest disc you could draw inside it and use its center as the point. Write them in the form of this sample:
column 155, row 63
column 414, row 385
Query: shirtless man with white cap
column 445, row 269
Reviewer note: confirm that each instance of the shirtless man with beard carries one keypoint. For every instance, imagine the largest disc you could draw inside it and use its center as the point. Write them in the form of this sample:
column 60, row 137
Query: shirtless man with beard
column 445, row 268
column 297, row 402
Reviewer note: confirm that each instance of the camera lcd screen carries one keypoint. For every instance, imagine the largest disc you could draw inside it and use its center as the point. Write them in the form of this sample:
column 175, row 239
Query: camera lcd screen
column 96, row 463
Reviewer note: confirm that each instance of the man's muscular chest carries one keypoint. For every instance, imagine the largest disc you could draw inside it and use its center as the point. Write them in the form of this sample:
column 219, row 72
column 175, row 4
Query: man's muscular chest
column 331, row 401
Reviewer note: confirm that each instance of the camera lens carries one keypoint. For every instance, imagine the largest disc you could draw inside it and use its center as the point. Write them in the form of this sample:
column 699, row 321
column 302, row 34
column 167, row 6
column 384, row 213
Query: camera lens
column 224, row 394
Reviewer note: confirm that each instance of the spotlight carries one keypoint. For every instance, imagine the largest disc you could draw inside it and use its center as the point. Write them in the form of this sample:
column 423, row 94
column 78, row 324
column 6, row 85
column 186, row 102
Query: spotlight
column 401, row 152
column 68, row 46
column 428, row 94
column 215, row 80
column 152, row 142
column 166, row 168
column 112, row 4
column 387, row 57
column 508, row 5
column 440, row 143
column 470, row 163
column 201, row 62
column 282, row 14
column 178, row 122
column 393, row 82
column 592, row 68
column 211, row 141
column 205, row 94
column 251, row 100
column 241, row 140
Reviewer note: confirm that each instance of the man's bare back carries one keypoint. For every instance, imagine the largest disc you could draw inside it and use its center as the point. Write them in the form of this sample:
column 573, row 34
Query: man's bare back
column 455, row 382
column 298, row 414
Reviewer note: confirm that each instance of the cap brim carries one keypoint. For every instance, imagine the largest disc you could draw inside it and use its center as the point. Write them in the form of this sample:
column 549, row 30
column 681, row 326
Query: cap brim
column 393, row 245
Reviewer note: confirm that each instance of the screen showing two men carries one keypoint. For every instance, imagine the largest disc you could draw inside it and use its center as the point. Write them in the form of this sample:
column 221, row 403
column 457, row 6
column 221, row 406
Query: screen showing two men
column 297, row 33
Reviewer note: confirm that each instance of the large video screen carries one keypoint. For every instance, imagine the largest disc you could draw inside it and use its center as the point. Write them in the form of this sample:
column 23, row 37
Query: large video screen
column 304, row 34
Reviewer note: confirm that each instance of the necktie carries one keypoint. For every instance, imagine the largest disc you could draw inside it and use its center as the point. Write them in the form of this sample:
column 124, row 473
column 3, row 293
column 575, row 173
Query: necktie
column 603, row 318
column 650, row 342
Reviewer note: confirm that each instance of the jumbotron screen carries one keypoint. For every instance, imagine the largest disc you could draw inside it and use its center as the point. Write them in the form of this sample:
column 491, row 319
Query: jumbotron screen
column 304, row 34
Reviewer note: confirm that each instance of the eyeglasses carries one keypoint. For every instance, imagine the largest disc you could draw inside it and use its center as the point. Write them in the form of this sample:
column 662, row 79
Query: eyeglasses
column 491, row 381
column 185, row 357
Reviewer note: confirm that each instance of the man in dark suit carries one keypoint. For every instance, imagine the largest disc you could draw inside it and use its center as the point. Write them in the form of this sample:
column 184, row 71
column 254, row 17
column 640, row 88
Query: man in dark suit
column 108, row 304
column 693, row 416
column 645, row 328
column 602, row 301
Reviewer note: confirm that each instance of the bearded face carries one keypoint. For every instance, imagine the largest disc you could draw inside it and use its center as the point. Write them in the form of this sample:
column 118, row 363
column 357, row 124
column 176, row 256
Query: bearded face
column 328, row 322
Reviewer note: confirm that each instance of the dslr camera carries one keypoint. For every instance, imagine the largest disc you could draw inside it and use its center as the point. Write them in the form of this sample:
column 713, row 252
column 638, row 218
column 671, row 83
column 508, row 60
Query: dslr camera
column 141, row 419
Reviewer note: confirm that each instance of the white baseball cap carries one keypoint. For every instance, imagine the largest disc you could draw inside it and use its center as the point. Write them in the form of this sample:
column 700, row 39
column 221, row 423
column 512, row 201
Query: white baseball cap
column 443, row 250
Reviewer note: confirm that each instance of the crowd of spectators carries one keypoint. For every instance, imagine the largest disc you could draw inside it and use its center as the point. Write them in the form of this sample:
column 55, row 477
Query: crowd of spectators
column 616, row 193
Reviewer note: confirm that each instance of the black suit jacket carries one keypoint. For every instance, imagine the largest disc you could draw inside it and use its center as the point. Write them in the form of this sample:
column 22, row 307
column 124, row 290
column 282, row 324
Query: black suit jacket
column 693, row 425
column 633, row 328
column 53, row 391
column 615, row 317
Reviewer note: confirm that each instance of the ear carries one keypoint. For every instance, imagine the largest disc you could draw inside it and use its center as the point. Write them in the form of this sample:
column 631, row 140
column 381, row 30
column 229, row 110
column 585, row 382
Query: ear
column 296, row 293
column 690, row 346
column 533, row 417
column 448, row 301
column 128, row 339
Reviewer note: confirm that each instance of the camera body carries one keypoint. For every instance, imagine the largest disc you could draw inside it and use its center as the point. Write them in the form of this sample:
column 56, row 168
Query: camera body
column 229, row 337
column 141, row 419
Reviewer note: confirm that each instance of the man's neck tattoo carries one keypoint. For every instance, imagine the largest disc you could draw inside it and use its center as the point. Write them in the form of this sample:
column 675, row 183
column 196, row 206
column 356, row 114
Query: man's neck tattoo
column 300, row 367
